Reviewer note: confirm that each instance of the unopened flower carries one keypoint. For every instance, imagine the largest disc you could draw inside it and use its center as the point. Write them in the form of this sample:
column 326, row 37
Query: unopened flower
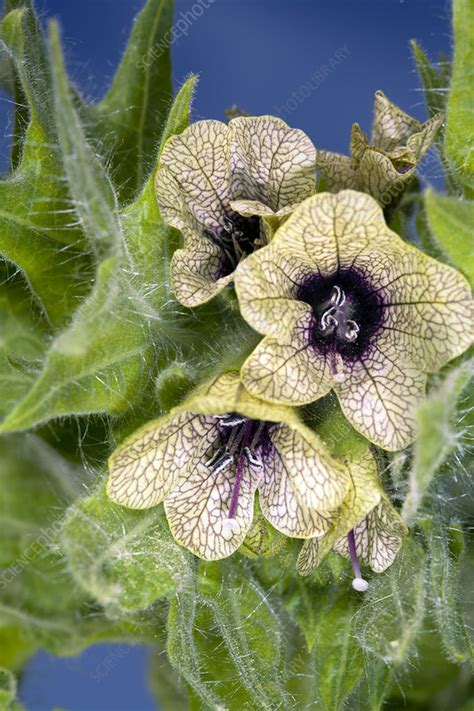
column 368, row 528
column 345, row 304
column 384, row 166
column 210, row 455
column 225, row 186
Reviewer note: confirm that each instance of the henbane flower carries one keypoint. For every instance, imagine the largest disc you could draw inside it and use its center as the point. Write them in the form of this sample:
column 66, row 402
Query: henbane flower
column 385, row 165
column 368, row 527
column 224, row 186
column 345, row 304
column 210, row 455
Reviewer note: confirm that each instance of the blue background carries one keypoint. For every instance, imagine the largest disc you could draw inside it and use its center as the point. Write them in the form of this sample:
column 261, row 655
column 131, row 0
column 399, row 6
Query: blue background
column 254, row 53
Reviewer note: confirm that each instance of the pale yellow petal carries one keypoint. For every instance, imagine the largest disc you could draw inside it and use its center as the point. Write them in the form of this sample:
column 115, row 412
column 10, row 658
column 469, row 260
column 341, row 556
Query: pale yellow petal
column 377, row 537
column 428, row 311
column 196, row 273
column 339, row 171
column 192, row 185
column 283, row 508
column 380, row 397
column 420, row 142
column 318, row 480
column 363, row 495
column 197, row 510
column 267, row 284
column 146, row 466
column 377, row 175
column 287, row 370
column 391, row 126
column 270, row 162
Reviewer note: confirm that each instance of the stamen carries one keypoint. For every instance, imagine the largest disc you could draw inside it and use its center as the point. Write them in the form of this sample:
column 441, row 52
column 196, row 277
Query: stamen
column 338, row 297
column 230, row 419
column 220, row 463
column 358, row 583
column 352, row 330
column 328, row 319
column 251, row 458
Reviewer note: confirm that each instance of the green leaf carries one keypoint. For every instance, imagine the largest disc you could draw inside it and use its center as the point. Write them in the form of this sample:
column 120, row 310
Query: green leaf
column 40, row 604
column 37, row 229
column 98, row 364
column 8, row 691
column 459, row 143
column 451, row 222
column 130, row 119
column 94, row 197
column 435, row 81
column 237, row 662
column 438, row 436
column 125, row 559
column 390, row 618
column 23, row 337
column 149, row 240
column 339, row 663
column 446, row 546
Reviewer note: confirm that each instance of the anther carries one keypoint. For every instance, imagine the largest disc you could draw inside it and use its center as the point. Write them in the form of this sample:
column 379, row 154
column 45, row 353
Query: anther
column 352, row 330
column 230, row 419
column 252, row 458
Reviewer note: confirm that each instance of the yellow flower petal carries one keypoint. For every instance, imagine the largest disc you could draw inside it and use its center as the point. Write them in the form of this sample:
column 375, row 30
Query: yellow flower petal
column 363, row 498
column 392, row 127
column 281, row 506
column 196, row 273
column 377, row 537
column 417, row 314
column 286, row 370
column 197, row 510
column 318, row 483
column 338, row 171
column 270, row 162
column 191, row 185
column 146, row 466
column 380, row 398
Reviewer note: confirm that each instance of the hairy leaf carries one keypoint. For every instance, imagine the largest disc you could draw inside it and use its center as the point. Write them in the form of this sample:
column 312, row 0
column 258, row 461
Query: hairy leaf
column 38, row 232
column 459, row 140
column 237, row 662
column 125, row 559
column 446, row 546
column 437, row 437
column 102, row 361
column 451, row 221
column 391, row 616
column 23, row 338
column 130, row 119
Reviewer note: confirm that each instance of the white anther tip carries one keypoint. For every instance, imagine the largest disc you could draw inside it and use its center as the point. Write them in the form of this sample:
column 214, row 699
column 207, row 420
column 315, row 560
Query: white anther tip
column 339, row 377
column 360, row 584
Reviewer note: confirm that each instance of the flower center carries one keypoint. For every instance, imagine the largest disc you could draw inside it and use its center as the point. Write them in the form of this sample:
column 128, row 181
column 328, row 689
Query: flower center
column 335, row 317
column 347, row 313
column 240, row 443
column 237, row 237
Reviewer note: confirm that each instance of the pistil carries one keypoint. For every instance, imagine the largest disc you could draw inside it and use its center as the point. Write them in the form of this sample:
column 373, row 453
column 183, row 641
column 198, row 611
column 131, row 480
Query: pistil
column 358, row 583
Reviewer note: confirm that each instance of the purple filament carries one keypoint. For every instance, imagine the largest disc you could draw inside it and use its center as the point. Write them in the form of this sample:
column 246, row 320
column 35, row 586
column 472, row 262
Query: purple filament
column 240, row 470
column 352, row 551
